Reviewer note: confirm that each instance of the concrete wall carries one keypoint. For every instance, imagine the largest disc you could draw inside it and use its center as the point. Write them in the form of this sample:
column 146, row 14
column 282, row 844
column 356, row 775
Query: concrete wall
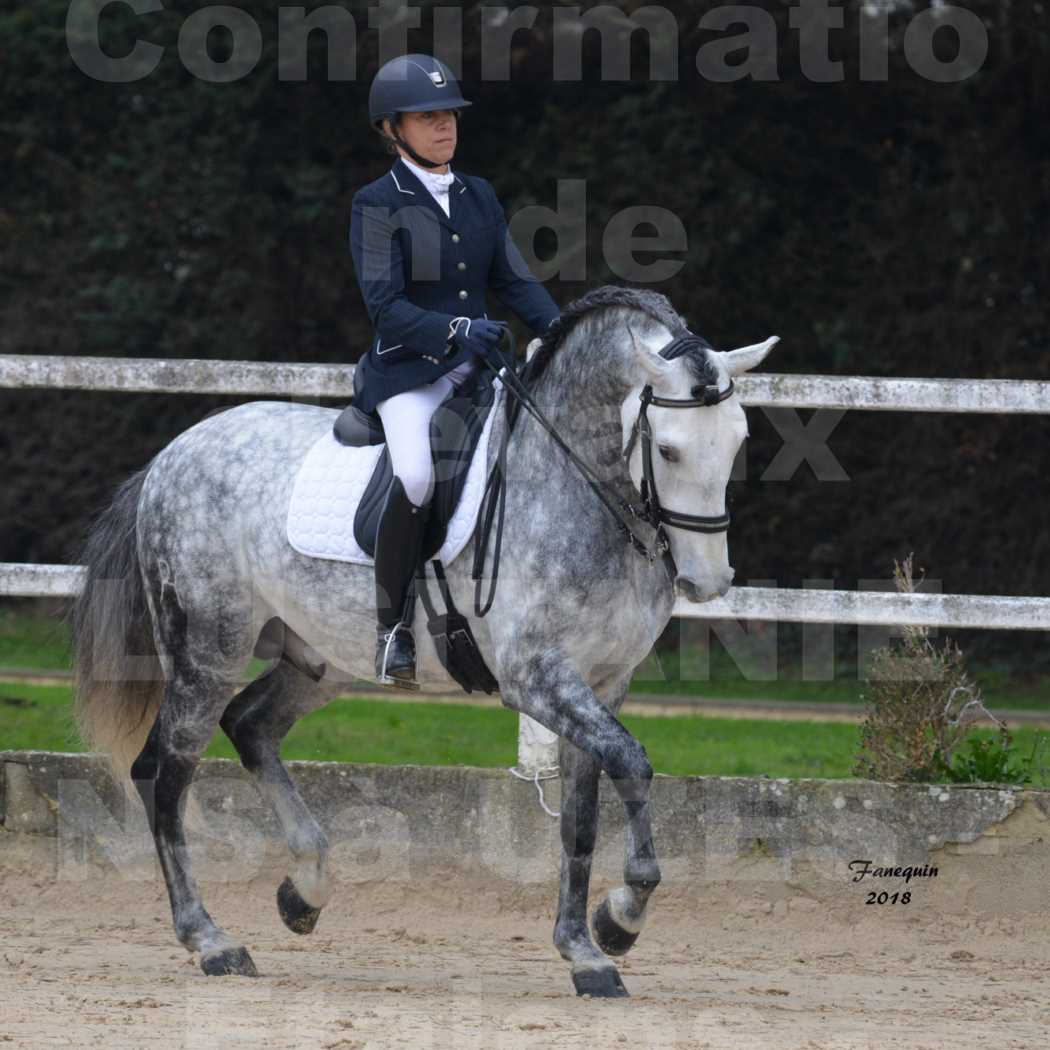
column 769, row 843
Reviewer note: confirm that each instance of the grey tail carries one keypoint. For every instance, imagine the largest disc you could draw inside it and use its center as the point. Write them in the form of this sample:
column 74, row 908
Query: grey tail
column 118, row 678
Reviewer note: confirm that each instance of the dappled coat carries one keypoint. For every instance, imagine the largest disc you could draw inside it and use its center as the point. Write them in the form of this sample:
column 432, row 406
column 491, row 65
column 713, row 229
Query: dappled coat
column 419, row 269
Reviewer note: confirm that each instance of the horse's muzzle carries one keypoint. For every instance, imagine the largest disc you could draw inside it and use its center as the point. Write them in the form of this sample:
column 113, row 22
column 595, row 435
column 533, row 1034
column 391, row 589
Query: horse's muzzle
column 693, row 592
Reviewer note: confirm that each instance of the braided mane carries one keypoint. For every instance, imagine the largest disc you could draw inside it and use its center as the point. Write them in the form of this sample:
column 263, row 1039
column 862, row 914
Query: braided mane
column 654, row 305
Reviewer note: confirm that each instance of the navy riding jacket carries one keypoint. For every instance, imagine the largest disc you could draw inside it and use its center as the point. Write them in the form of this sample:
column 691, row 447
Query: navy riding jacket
column 420, row 269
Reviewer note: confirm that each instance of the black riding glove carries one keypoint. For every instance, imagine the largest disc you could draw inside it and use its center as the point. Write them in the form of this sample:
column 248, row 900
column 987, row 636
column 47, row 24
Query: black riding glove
column 481, row 337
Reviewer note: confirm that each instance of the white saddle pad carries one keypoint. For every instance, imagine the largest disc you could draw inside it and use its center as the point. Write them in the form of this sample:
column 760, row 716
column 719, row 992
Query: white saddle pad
column 332, row 480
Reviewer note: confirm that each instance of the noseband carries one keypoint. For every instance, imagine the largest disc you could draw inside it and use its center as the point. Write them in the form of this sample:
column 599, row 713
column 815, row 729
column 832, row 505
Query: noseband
column 651, row 509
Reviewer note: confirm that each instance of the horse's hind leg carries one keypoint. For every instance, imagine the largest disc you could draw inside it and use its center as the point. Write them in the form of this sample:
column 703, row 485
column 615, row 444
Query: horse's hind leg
column 256, row 722
column 162, row 773
column 204, row 638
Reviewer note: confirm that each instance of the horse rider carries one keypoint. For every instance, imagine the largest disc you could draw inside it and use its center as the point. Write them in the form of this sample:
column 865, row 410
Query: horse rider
column 426, row 244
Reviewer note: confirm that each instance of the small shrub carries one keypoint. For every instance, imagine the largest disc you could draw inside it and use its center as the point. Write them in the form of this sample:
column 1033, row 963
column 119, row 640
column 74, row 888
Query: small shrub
column 920, row 703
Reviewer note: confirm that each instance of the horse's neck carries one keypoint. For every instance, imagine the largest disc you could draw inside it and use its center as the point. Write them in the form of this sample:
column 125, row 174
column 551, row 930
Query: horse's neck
column 585, row 413
column 546, row 487
column 573, row 384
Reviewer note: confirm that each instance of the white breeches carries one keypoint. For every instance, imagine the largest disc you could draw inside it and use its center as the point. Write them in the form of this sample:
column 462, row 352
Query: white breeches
column 406, row 423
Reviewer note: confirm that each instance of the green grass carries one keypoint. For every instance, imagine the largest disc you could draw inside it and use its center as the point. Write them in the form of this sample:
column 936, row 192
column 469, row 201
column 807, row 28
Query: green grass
column 38, row 642
column 358, row 729
column 711, row 672
column 42, row 643
column 392, row 732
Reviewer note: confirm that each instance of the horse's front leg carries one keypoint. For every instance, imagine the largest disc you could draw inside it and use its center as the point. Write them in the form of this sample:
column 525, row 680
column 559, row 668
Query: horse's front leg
column 547, row 687
column 593, row 972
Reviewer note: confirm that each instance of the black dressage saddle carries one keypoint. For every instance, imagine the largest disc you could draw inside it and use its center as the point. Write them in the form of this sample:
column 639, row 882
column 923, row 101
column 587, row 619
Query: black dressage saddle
column 455, row 429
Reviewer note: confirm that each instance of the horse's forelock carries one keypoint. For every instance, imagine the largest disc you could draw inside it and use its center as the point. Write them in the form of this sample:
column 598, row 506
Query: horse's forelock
column 702, row 368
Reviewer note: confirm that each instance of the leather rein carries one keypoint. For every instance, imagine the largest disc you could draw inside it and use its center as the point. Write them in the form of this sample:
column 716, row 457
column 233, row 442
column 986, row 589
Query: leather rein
column 650, row 510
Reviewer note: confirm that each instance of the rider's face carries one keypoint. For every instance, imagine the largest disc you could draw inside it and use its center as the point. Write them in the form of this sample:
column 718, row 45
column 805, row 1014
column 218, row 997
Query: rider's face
column 432, row 135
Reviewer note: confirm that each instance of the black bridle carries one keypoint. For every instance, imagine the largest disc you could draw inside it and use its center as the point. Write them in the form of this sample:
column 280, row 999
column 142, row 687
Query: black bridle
column 650, row 510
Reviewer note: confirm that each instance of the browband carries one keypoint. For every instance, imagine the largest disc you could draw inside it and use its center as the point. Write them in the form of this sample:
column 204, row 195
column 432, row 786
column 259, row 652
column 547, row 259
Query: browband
column 686, row 341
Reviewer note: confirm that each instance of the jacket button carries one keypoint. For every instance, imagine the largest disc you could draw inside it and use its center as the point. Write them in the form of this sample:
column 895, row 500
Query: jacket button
column 463, row 293
column 461, row 266
column 455, row 238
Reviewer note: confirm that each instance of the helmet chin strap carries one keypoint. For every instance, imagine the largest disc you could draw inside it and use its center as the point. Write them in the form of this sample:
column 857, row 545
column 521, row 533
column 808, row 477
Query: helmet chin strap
column 412, row 153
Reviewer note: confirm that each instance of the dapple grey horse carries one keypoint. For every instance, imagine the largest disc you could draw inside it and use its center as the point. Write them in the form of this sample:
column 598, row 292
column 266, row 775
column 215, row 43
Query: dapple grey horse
column 191, row 559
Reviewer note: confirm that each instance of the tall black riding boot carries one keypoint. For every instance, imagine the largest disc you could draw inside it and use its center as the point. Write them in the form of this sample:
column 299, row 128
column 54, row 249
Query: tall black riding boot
column 399, row 542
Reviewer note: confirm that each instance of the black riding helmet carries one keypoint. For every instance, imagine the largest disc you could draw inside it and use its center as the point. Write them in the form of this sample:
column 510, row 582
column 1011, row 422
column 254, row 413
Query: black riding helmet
column 412, row 84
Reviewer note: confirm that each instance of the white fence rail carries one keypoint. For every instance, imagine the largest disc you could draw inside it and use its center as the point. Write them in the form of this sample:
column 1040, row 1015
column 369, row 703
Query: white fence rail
column 281, row 379
column 537, row 750
column 741, row 603
column 150, row 375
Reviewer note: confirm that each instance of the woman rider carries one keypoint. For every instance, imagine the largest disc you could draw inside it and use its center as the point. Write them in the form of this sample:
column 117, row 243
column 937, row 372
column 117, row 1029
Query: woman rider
column 426, row 244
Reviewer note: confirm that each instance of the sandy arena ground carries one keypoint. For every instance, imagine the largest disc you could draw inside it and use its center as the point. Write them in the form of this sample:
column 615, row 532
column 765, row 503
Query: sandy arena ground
column 452, row 964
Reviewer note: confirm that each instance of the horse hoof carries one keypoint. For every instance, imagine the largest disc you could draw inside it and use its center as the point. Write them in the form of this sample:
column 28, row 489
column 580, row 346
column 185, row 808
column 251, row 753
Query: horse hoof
column 231, row 961
column 296, row 914
column 612, row 938
column 600, row 984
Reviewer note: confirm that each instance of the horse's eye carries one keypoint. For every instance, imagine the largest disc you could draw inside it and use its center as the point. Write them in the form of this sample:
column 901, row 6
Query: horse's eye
column 668, row 453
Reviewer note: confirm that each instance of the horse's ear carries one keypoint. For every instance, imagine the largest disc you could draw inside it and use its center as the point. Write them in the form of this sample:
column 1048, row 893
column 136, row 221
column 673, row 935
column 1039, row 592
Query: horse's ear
column 649, row 358
column 747, row 357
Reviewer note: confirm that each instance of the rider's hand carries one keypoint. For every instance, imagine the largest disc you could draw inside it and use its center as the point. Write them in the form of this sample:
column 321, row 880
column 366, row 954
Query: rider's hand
column 481, row 338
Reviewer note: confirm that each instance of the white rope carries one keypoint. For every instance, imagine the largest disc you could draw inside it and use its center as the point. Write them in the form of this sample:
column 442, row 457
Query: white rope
column 549, row 773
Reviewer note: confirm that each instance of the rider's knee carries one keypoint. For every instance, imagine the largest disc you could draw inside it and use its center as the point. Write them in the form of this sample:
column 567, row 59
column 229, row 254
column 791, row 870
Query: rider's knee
column 418, row 482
